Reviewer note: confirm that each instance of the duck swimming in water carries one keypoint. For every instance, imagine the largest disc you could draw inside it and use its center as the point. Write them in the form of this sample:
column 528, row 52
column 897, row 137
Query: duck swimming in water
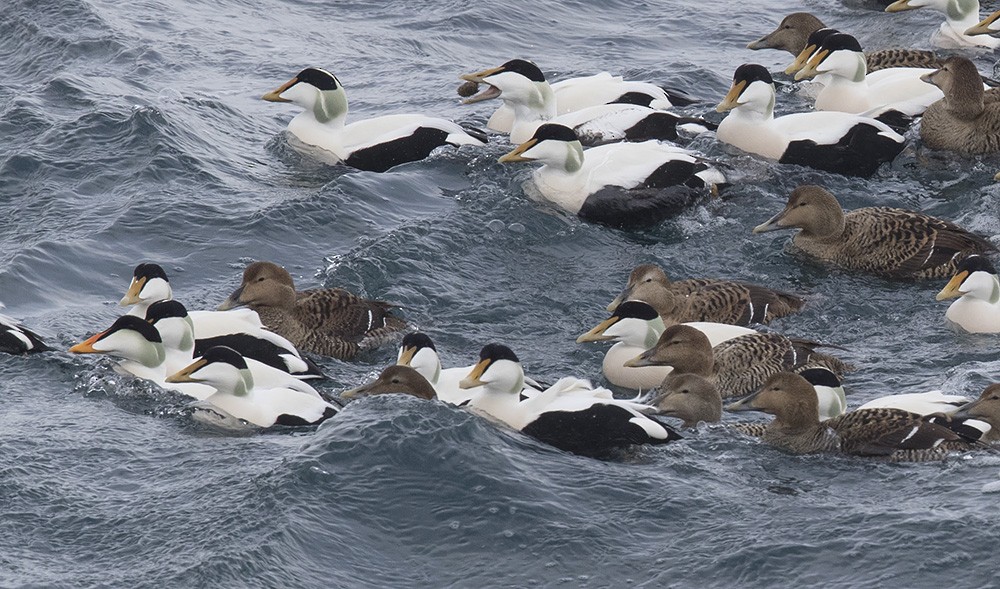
column 977, row 288
column 960, row 15
column 967, row 119
column 619, row 184
column 18, row 339
column 838, row 142
column 375, row 144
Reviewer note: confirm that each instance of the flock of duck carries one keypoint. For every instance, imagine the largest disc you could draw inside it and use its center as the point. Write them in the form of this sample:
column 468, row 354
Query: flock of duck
column 681, row 347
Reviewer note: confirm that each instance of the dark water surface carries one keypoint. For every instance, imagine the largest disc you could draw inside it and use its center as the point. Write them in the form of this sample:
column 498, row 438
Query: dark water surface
column 133, row 131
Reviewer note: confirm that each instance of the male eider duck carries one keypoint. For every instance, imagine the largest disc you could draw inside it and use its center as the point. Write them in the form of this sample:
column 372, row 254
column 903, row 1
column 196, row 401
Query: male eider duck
column 889, row 434
column 18, row 339
column 523, row 89
column 977, row 288
column 581, row 424
column 139, row 347
column 739, row 365
column 395, row 379
column 330, row 321
column 239, row 329
column 960, row 15
column 894, row 243
column 850, row 88
column 375, row 144
column 833, row 141
column 235, row 393
column 570, row 95
column 705, row 299
column 967, row 119
column 793, row 32
column 619, row 184
column 635, row 327
column 417, row 351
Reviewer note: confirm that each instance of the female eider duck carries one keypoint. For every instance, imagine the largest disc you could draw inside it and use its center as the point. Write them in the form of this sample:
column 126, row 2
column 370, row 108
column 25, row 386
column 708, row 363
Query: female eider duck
column 330, row 321
column 739, row 365
column 960, row 15
column 235, row 393
column 894, row 243
column 375, row 144
column 850, row 88
column 832, row 141
column 985, row 408
column 523, row 89
column 239, row 329
column 888, row 434
column 635, row 327
column 395, row 379
column 977, row 288
column 705, row 299
column 18, row 339
column 792, row 35
column 139, row 347
column 417, row 351
column 619, row 184
column 967, row 119
column 568, row 95
column 689, row 397
column 581, row 424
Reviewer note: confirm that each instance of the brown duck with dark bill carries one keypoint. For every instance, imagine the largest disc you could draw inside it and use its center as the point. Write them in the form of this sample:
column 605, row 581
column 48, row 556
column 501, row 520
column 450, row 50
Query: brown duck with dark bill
column 330, row 321
column 890, row 434
column 690, row 397
column 895, row 243
column 394, row 379
column 706, row 299
column 967, row 119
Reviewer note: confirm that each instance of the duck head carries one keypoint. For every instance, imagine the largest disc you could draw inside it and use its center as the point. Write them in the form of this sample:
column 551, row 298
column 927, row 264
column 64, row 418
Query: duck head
column 839, row 54
column 149, row 284
column 791, row 35
column 417, row 351
column 395, row 379
column 498, row 371
column 810, row 208
column 221, row 367
column 317, row 91
column 752, row 91
column 633, row 322
column 129, row 337
column 975, row 277
column 553, row 145
column 517, row 82
column 810, row 48
column 265, row 284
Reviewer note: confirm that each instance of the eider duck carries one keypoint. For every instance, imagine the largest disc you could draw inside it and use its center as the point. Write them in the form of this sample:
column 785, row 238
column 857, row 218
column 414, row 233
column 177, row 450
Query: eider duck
column 395, row 379
column 850, row 88
column 176, row 330
column 588, row 425
column 523, row 89
column 635, row 327
column 793, row 32
column 570, row 95
column 739, row 365
column 960, row 15
column 235, row 393
column 619, row 184
column 920, row 403
column 987, row 26
column 706, row 299
column 977, row 287
column 375, row 144
column 889, row 434
column 417, row 351
column 140, row 349
column 689, row 397
column 967, row 119
column 239, row 329
column 18, row 339
column 894, row 243
column 832, row 141
column 330, row 321
column 985, row 408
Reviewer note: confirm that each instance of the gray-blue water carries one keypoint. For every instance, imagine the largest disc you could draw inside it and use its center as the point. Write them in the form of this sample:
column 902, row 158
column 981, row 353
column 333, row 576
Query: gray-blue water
column 133, row 131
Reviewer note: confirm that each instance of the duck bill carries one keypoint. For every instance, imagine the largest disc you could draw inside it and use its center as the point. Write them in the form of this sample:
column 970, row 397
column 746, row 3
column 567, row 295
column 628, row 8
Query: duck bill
column 900, row 6
column 597, row 334
column 132, row 295
column 810, row 70
column 643, row 359
column 406, row 356
column 983, row 27
column 232, row 301
column 744, row 404
column 275, row 95
column 732, row 99
column 361, row 391
column 472, row 379
column 966, row 411
column 764, row 42
column 772, row 224
column 184, row 374
column 515, row 154
column 87, row 345
column 800, row 59
column 929, row 77
column 618, row 300
column 953, row 290
column 489, row 93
